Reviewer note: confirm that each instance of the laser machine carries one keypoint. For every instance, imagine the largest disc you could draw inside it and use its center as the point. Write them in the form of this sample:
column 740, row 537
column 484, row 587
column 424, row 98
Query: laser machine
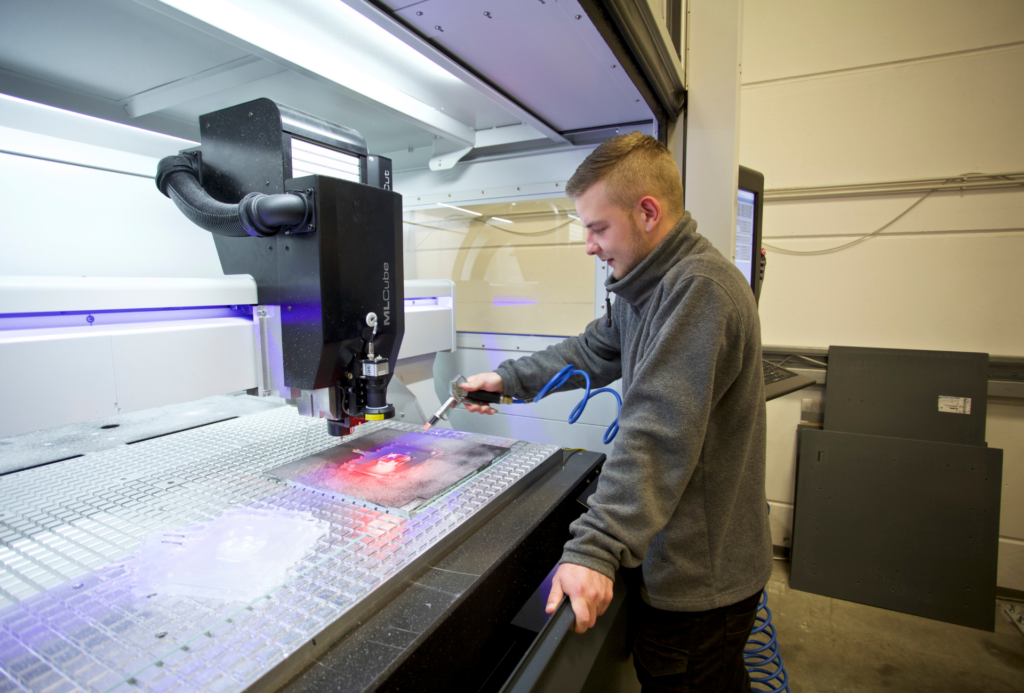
column 143, row 555
column 298, row 204
column 122, row 480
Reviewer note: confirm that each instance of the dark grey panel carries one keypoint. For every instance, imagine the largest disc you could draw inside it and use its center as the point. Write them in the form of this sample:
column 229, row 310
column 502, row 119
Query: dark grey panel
column 896, row 392
column 907, row 525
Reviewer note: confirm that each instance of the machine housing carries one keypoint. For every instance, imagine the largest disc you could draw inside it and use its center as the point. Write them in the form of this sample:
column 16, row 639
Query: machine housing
column 329, row 320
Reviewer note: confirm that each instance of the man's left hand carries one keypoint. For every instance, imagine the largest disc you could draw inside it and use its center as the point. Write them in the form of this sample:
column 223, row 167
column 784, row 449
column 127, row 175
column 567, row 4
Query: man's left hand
column 589, row 592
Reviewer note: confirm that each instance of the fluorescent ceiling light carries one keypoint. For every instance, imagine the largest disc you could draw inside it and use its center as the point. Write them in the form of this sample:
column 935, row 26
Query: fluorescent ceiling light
column 503, row 221
column 24, row 115
column 467, row 211
column 331, row 43
column 513, row 301
column 339, row 21
column 573, row 216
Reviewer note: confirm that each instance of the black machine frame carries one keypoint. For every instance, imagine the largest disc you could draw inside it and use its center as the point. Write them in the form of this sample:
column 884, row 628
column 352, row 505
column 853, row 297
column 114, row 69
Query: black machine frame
column 326, row 246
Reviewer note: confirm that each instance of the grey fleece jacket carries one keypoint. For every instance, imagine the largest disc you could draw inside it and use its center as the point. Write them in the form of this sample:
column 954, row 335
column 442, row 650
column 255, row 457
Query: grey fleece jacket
column 682, row 493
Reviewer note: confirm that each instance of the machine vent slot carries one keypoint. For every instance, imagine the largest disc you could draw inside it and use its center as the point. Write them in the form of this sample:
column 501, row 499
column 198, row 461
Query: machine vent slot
column 309, row 159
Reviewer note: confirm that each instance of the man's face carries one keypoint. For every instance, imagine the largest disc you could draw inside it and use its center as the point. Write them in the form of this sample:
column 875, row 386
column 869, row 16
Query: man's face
column 613, row 234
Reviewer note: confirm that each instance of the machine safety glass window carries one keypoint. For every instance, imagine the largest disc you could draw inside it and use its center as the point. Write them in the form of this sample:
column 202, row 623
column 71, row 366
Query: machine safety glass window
column 519, row 267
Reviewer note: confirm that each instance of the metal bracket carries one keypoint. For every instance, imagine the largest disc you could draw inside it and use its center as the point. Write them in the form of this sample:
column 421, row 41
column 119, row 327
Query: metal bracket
column 266, row 322
column 447, row 154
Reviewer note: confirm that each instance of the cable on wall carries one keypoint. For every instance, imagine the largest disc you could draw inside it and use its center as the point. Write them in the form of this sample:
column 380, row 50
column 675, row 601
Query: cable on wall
column 965, row 182
column 962, row 178
column 857, row 241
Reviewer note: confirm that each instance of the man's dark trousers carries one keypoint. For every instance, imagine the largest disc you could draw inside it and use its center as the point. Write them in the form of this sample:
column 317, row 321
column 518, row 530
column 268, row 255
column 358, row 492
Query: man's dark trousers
column 693, row 651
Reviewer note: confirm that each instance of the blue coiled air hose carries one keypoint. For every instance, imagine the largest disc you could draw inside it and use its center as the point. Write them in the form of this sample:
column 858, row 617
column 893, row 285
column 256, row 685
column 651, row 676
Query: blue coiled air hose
column 560, row 379
column 761, row 654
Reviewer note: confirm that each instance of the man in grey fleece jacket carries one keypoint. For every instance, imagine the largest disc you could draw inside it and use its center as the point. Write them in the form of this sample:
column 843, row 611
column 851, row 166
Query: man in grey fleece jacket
column 682, row 493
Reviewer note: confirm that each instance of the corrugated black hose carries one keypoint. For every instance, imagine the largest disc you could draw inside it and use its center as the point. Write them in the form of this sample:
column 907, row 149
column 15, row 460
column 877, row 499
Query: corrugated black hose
column 256, row 215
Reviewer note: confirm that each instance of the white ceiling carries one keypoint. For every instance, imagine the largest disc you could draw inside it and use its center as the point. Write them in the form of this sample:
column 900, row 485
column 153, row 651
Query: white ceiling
column 548, row 56
column 111, row 49
column 99, row 57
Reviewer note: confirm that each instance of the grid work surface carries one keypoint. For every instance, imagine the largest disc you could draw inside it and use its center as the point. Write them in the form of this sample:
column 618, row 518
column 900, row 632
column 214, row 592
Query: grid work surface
column 71, row 615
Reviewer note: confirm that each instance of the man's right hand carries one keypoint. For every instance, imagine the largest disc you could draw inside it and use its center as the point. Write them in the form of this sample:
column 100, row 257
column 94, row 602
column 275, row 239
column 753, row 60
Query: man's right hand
column 489, row 382
column 588, row 591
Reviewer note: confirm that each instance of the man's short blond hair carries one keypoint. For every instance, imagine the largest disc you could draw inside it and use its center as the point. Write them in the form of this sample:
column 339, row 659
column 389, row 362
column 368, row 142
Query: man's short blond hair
column 632, row 166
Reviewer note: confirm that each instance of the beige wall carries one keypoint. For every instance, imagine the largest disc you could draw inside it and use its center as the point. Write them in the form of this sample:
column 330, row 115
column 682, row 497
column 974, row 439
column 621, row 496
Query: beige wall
column 795, row 38
column 876, row 91
column 713, row 76
column 519, row 267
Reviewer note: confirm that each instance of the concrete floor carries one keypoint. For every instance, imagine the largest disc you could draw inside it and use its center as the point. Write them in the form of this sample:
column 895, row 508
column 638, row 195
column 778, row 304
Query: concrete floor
column 832, row 646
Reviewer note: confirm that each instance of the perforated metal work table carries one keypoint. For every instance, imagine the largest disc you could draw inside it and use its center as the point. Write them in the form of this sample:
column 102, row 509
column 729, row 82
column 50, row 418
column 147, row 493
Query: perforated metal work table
column 69, row 619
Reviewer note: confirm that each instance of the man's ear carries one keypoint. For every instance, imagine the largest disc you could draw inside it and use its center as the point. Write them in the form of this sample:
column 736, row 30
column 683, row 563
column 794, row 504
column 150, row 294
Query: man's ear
column 651, row 212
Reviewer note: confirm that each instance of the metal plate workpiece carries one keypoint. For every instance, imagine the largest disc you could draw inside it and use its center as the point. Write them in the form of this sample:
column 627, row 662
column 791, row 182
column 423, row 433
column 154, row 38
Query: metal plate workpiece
column 69, row 619
column 400, row 471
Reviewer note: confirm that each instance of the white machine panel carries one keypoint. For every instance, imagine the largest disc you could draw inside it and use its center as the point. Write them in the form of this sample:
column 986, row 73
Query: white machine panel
column 63, row 294
column 429, row 317
column 54, row 382
column 55, row 376
column 182, row 362
column 60, row 369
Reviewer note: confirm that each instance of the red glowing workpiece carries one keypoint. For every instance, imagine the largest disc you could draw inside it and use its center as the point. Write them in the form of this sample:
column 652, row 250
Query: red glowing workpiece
column 388, row 463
